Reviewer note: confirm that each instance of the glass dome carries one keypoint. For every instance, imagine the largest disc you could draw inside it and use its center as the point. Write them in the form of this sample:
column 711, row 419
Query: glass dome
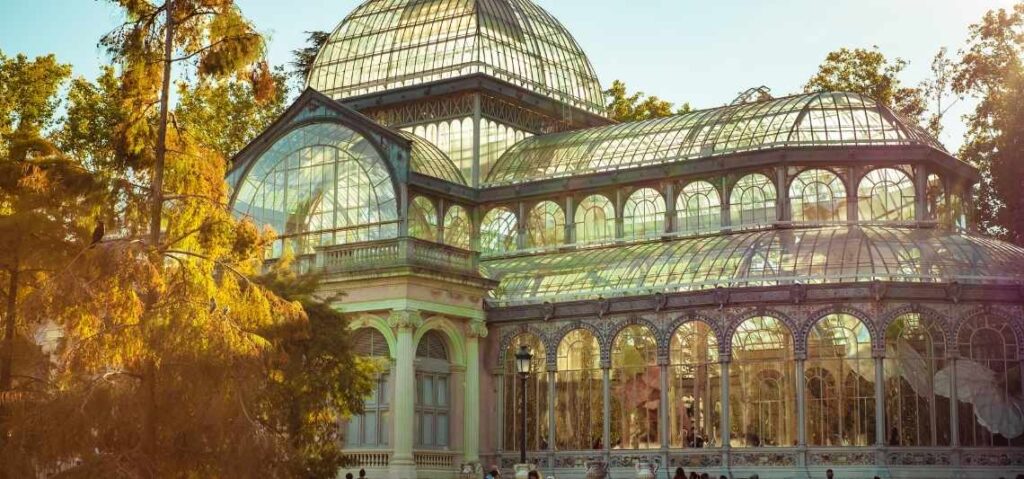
column 319, row 185
column 387, row 44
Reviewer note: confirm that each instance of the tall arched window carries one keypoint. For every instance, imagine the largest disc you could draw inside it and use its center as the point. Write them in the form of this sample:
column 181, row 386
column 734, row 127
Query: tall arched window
column 762, row 404
column 319, row 185
column 817, row 196
column 885, row 194
column 644, row 214
column 988, row 384
column 433, row 392
column 595, row 220
column 752, row 201
column 935, row 198
column 579, row 394
column 536, row 396
column 545, row 225
column 372, row 428
column 636, row 390
column 840, row 383
column 694, row 388
column 422, row 219
column 916, row 415
column 698, row 208
column 498, row 231
column 457, row 228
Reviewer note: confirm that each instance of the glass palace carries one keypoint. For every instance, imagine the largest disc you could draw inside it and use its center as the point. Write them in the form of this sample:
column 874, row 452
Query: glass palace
column 777, row 286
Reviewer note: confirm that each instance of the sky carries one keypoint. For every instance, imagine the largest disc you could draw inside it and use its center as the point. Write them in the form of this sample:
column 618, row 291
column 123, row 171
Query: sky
column 697, row 51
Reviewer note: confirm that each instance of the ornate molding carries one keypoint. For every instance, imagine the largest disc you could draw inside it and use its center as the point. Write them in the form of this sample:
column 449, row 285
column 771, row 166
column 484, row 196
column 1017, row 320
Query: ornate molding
column 405, row 319
column 476, row 329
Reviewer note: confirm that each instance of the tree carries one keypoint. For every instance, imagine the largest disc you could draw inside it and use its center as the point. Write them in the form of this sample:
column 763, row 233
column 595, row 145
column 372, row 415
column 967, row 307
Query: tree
column 936, row 89
column 624, row 107
column 869, row 73
column 991, row 69
column 226, row 115
column 304, row 57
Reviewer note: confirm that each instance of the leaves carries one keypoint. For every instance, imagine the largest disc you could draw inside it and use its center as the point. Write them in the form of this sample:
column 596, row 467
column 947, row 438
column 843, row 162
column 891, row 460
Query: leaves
column 870, row 73
column 637, row 107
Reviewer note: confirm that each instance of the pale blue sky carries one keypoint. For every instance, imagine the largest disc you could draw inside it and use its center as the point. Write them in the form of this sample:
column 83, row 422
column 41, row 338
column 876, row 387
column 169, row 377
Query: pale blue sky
column 700, row 51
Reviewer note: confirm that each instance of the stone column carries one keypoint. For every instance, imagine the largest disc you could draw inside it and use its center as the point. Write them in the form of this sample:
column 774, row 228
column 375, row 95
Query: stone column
column 471, row 404
column 403, row 464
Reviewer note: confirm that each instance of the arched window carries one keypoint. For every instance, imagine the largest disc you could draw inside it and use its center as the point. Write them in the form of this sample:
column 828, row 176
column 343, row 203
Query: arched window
column 319, row 185
column 916, row 415
column 885, row 194
column 935, row 198
column 817, row 196
column 840, row 383
column 988, row 384
column 698, row 208
column 636, row 390
column 457, row 228
column 536, row 396
column 545, row 225
column 498, row 232
column 694, row 388
column 595, row 220
column 433, row 392
column 372, row 428
column 762, row 409
column 422, row 219
column 752, row 201
column 644, row 214
column 579, row 394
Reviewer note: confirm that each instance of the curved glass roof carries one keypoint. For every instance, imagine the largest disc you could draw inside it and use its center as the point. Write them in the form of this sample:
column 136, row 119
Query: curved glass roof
column 810, row 120
column 757, row 258
column 387, row 44
column 427, row 159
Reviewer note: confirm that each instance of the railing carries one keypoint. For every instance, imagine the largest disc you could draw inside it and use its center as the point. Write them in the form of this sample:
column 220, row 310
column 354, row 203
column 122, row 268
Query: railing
column 370, row 459
column 435, row 459
column 395, row 253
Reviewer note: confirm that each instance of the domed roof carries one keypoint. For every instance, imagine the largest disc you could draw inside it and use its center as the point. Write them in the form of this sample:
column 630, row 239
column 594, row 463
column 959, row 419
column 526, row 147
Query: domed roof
column 387, row 44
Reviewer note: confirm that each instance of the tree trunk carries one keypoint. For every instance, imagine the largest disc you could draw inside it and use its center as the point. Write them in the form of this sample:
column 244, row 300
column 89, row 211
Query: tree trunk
column 10, row 318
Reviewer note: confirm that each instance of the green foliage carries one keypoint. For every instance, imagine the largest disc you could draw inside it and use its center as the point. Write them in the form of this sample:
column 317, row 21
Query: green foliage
column 624, row 107
column 303, row 58
column 28, row 92
column 226, row 115
column 991, row 69
column 870, row 73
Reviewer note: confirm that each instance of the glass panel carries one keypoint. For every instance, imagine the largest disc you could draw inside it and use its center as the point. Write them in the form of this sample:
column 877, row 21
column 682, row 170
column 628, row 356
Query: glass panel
column 457, row 228
column 817, row 196
column 423, row 219
column 536, row 396
column 498, row 232
column 988, row 384
column 579, row 393
column 545, row 226
column 886, row 194
column 636, row 390
column 644, row 214
column 840, row 383
column 916, row 414
column 694, row 395
column 752, row 201
column 698, row 208
column 595, row 220
column 762, row 394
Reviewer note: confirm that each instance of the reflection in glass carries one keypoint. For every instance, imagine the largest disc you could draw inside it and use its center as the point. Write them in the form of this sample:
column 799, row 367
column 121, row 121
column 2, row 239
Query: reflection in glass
column 545, row 226
column 636, row 390
column 762, row 403
column 916, row 415
column 643, row 215
column 372, row 428
column 817, row 196
column 422, row 219
column 595, row 220
column 885, row 194
column 579, row 393
column 840, row 383
column 694, row 393
column 698, row 208
column 536, row 396
column 988, row 384
column 457, row 228
column 498, row 232
column 752, row 201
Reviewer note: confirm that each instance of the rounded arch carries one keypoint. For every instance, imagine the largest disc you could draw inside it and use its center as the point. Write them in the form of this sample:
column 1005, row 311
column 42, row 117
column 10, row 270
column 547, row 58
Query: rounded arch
column 730, row 331
column 367, row 320
column 594, row 219
column 982, row 313
column 509, row 335
column 454, row 339
column 935, row 317
column 643, row 214
column 698, row 207
column 752, row 200
column 817, row 195
column 886, row 194
column 716, row 328
column 499, row 231
column 545, row 225
column 458, row 229
column 559, row 337
column 423, row 218
column 661, row 340
column 877, row 336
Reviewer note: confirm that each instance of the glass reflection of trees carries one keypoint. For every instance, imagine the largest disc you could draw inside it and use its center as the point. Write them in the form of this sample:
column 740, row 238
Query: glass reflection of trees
column 498, row 231
column 545, row 226
column 579, row 393
column 988, row 384
column 536, row 396
column 916, row 415
column 762, row 405
column 885, row 194
column 817, row 196
column 840, row 383
column 694, row 393
column 457, row 228
column 636, row 390
column 422, row 219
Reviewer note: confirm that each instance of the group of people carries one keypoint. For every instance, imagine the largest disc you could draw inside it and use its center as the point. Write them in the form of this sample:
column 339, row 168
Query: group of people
column 681, row 474
column 362, row 474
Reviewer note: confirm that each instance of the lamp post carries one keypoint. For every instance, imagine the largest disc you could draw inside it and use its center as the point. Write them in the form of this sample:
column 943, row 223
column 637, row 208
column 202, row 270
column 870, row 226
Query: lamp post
column 523, row 359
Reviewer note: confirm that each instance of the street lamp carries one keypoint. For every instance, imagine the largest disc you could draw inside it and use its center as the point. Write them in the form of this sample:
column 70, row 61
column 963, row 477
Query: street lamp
column 523, row 359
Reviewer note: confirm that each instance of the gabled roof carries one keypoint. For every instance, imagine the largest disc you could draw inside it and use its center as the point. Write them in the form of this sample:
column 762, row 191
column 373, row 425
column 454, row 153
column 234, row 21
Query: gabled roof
column 810, row 120
column 841, row 254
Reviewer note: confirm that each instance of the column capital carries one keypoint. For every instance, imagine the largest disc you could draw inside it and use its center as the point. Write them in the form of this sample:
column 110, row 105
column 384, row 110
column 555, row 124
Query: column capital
column 476, row 329
column 405, row 319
